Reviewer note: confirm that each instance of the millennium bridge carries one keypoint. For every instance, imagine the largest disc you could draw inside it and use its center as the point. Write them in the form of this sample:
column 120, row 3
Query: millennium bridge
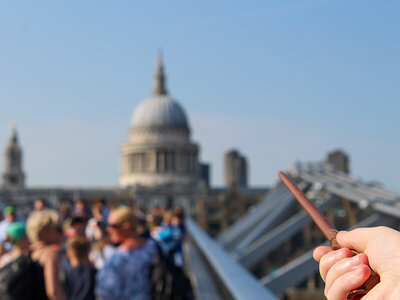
column 267, row 253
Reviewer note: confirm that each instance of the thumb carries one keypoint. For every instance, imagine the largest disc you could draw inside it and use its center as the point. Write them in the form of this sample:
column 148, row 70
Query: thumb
column 357, row 239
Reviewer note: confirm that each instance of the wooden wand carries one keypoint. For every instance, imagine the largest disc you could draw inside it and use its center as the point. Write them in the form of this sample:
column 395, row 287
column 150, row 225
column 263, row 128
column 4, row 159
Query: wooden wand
column 329, row 231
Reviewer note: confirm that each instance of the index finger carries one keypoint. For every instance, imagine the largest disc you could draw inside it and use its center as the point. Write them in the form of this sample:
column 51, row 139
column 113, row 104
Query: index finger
column 321, row 251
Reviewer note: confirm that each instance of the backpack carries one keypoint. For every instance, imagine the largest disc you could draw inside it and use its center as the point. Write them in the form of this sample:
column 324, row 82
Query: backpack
column 16, row 279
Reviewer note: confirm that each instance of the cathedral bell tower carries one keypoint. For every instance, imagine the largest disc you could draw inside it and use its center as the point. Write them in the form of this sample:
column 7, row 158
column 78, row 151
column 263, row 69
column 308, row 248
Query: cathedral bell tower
column 13, row 176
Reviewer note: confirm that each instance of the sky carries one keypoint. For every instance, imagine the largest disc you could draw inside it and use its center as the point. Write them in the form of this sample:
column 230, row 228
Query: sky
column 281, row 81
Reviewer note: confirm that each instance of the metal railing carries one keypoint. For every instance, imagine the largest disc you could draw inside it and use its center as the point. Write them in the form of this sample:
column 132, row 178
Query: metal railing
column 234, row 281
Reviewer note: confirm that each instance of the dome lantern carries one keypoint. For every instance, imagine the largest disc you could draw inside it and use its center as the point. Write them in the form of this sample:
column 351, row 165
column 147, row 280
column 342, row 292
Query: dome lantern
column 159, row 78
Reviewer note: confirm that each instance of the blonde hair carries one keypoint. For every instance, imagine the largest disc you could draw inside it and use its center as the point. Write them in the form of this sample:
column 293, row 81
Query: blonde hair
column 125, row 216
column 39, row 220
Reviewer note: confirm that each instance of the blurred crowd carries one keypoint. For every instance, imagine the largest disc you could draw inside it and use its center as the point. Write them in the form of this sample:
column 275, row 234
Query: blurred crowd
column 93, row 252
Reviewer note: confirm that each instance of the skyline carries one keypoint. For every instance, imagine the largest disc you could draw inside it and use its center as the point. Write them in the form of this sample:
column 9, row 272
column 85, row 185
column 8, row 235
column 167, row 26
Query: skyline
column 281, row 82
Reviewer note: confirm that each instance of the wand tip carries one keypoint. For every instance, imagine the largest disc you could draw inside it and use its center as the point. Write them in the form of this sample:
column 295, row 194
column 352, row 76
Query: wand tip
column 281, row 174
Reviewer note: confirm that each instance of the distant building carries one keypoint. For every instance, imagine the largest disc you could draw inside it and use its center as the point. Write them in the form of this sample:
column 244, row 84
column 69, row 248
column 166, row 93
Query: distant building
column 159, row 150
column 205, row 174
column 160, row 163
column 340, row 160
column 221, row 207
column 159, row 167
column 235, row 169
column 13, row 175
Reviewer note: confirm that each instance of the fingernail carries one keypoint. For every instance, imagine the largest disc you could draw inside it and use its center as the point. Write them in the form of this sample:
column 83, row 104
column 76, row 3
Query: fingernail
column 339, row 253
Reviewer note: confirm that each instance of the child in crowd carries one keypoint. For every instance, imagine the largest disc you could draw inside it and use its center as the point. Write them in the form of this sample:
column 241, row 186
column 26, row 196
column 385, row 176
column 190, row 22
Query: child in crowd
column 169, row 233
column 162, row 234
column 73, row 227
column 80, row 276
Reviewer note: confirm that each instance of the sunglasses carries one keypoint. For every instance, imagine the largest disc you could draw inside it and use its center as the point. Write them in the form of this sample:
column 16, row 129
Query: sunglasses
column 114, row 226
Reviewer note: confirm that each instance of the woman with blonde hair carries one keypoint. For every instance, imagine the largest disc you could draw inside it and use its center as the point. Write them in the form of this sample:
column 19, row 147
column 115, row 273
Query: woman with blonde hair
column 45, row 233
column 127, row 273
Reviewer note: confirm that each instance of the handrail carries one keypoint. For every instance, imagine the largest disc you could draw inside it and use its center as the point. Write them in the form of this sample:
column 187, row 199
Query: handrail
column 234, row 278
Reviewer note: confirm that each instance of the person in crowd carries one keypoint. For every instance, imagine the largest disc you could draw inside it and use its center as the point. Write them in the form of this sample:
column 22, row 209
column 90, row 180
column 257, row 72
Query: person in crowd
column 163, row 210
column 68, row 230
column 79, row 224
column 80, row 276
column 138, row 212
column 45, row 233
column 156, row 211
column 149, row 222
column 177, row 237
column 95, row 225
column 74, row 227
column 16, row 234
column 156, row 224
column 162, row 234
column 141, row 228
column 180, row 214
column 342, row 271
column 167, row 216
column 63, row 212
column 40, row 204
column 81, row 210
column 101, row 249
column 102, row 207
column 9, row 217
column 127, row 274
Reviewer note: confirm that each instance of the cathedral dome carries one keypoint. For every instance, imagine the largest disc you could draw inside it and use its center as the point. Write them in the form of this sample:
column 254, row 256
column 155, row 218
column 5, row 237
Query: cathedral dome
column 159, row 151
column 159, row 111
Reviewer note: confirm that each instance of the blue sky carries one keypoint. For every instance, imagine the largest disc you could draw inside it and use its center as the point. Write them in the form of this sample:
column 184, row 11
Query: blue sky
column 281, row 81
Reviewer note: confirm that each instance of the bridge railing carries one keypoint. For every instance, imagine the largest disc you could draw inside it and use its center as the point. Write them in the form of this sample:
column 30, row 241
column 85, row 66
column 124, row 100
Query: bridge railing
column 231, row 278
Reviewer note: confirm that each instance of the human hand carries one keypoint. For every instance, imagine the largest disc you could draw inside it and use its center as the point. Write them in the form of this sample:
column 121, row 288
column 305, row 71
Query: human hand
column 342, row 272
